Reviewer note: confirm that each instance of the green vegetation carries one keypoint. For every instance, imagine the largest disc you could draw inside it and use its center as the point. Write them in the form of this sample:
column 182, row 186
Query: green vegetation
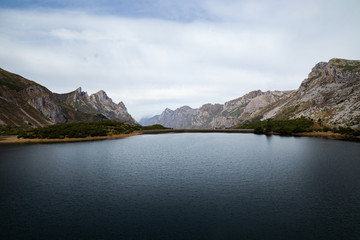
column 255, row 119
column 9, row 130
column 283, row 127
column 83, row 129
column 347, row 131
column 350, row 68
column 108, row 127
column 77, row 130
column 11, row 81
column 293, row 126
column 153, row 127
column 288, row 111
column 348, row 65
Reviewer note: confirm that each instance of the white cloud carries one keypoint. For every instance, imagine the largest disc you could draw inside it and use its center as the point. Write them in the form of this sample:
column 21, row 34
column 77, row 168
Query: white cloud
column 151, row 64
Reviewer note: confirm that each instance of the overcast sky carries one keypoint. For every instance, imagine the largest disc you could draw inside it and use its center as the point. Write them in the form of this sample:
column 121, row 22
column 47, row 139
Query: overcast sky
column 157, row 54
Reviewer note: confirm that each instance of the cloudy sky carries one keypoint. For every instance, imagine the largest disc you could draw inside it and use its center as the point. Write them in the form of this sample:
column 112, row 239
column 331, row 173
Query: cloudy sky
column 157, row 54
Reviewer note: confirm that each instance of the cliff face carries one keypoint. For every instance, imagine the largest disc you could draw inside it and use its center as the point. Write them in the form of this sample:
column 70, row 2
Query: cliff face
column 103, row 104
column 24, row 103
column 43, row 100
column 97, row 103
column 331, row 93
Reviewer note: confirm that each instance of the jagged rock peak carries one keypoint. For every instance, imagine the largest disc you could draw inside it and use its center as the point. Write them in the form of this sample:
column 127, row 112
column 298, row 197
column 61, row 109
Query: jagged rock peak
column 211, row 107
column 330, row 93
column 218, row 115
column 78, row 93
column 78, row 90
column 102, row 92
column 168, row 110
column 246, row 97
column 122, row 105
column 253, row 94
column 25, row 103
column 102, row 95
column 185, row 108
column 336, row 71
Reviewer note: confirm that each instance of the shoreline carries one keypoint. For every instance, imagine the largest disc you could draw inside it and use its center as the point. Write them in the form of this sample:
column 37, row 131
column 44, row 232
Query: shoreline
column 191, row 130
column 14, row 139
column 329, row 135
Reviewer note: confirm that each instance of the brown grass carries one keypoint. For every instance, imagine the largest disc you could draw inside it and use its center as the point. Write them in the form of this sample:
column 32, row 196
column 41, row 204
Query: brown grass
column 14, row 139
column 327, row 135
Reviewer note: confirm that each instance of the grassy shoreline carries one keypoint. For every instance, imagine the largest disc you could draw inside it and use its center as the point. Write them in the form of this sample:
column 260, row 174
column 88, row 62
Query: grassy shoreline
column 74, row 132
column 15, row 139
column 329, row 135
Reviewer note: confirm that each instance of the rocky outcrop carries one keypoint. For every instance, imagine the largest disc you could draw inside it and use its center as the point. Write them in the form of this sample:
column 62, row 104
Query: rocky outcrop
column 24, row 103
column 43, row 100
column 218, row 115
column 330, row 94
column 104, row 105
column 97, row 103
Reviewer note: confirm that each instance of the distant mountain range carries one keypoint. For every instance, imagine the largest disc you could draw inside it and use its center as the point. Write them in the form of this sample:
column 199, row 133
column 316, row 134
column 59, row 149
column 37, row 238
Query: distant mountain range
column 330, row 94
column 24, row 103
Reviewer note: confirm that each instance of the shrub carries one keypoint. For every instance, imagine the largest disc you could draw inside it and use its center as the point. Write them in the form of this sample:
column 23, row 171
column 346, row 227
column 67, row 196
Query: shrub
column 83, row 129
column 259, row 130
column 283, row 127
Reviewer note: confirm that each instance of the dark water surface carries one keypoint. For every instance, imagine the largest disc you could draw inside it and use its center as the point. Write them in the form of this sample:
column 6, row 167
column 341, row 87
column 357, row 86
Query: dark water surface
column 182, row 186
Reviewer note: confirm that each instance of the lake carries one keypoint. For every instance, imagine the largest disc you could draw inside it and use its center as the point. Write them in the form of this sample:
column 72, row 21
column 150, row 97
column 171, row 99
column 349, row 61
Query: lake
column 182, row 186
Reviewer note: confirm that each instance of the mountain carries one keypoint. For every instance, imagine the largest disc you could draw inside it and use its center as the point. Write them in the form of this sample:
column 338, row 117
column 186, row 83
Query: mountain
column 218, row 115
column 24, row 103
column 330, row 94
column 97, row 103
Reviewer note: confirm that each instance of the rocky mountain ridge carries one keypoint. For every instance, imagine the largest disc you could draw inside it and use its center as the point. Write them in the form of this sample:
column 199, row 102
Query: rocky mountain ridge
column 218, row 115
column 96, row 103
column 330, row 94
column 24, row 103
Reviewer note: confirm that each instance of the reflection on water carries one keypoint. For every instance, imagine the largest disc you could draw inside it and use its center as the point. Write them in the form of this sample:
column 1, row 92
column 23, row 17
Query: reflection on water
column 182, row 186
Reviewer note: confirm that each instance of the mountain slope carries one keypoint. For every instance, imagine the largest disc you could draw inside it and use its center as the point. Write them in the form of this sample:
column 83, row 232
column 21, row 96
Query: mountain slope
column 218, row 115
column 330, row 94
column 24, row 103
column 97, row 103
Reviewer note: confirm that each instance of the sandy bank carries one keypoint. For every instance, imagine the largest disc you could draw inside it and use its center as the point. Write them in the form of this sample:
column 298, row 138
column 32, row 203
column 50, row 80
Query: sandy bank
column 14, row 139
column 330, row 135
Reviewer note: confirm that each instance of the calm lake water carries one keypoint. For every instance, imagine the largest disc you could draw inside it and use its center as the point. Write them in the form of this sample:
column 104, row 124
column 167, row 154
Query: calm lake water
column 182, row 186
